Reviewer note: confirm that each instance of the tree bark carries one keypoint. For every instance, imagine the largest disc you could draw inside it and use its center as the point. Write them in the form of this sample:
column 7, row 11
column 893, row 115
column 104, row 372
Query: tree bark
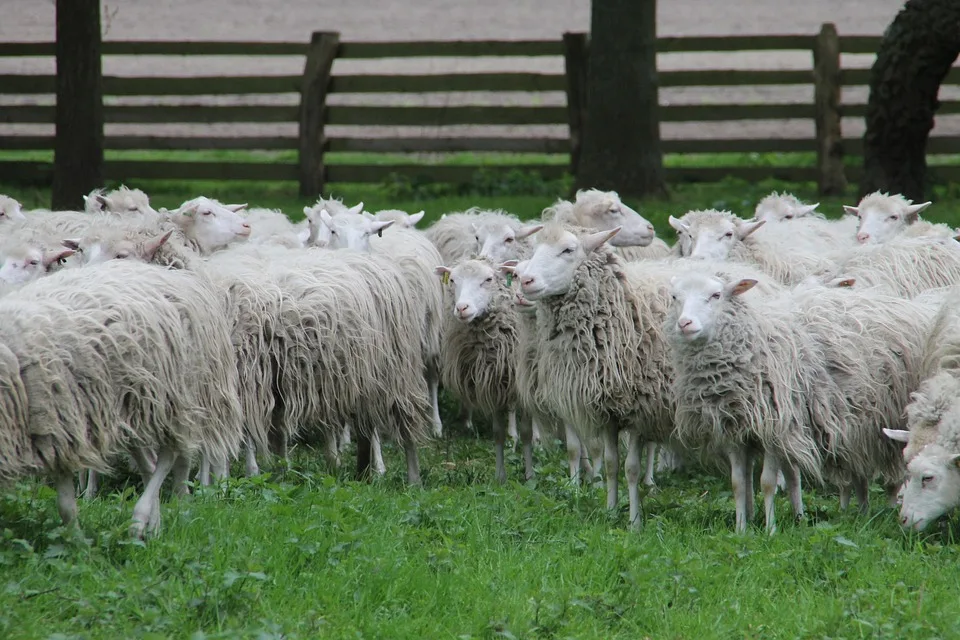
column 621, row 136
column 917, row 51
column 78, row 148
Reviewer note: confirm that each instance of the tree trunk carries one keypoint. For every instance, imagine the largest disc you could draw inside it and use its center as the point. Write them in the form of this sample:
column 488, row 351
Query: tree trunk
column 916, row 53
column 78, row 148
column 621, row 135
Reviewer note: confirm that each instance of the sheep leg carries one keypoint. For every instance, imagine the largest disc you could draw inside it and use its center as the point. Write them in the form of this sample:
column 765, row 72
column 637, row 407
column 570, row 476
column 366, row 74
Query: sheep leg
column 250, row 463
column 632, row 469
column 593, row 456
column 204, row 474
column 344, row 438
column 90, row 483
column 535, row 434
column 791, row 475
column 332, row 452
column 499, row 439
column 861, row 488
column 435, row 401
column 413, row 462
column 738, row 481
column 573, row 453
column 844, row 496
column 146, row 513
column 142, row 459
column 512, row 428
column 526, row 436
column 66, row 498
column 668, row 460
column 768, row 485
column 181, row 475
column 378, row 466
column 651, row 451
column 466, row 415
column 611, row 458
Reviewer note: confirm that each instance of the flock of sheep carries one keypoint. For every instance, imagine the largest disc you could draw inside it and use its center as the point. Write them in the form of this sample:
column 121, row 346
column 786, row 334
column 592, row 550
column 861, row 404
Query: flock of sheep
column 213, row 332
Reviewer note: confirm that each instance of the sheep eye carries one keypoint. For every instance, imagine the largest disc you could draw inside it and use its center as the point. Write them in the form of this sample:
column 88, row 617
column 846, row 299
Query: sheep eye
column 925, row 480
column 34, row 263
column 508, row 240
column 790, row 217
column 208, row 213
column 567, row 250
column 673, row 297
column 715, row 296
column 894, row 218
column 728, row 234
column 488, row 280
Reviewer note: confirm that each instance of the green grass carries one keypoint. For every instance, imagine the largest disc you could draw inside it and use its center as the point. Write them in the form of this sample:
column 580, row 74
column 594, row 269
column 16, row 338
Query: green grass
column 304, row 554
column 308, row 555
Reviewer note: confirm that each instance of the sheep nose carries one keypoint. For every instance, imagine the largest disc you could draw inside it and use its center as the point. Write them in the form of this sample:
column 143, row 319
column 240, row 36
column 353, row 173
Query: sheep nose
column 527, row 281
column 650, row 228
column 863, row 237
column 685, row 322
column 462, row 309
column 245, row 225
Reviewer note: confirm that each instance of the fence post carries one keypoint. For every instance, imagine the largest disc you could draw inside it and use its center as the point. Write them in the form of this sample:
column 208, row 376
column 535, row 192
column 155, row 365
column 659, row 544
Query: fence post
column 575, row 51
column 826, row 91
column 313, row 99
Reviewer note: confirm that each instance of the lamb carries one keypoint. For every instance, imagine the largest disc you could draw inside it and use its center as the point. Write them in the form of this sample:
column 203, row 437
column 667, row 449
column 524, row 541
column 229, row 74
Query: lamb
column 124, row 357
column 750, row 379
column 602, row 211
column 10, row 209
column 787, row 253
column 120, row 200
column 479, row 357
column 883, row 216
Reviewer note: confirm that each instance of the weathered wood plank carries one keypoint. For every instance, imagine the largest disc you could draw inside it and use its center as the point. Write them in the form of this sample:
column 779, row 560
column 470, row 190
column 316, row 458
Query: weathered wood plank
column 445, row 116
column 450, row 48
column 831, row 179
column 442, row 82
column 449, row 145
column 313, row 100
column 733, row 43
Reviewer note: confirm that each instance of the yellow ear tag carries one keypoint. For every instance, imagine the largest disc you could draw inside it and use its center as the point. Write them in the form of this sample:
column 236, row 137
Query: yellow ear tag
column 509, row 278
column 446, row 277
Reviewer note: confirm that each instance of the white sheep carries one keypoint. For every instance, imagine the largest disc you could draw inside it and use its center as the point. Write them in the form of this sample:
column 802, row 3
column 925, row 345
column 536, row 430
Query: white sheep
column 320, row 233
column 122, row 357
column 403, row 219
column 750, row 379
column 780, row 207
column 271, row 226
column 10, row 209
column 120, row 200
column 480, row 349
column 883, row 216
column 907, row 266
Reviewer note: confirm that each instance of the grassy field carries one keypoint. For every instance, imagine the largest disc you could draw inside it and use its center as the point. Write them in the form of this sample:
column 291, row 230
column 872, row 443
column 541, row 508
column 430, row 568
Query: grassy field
column 306, row 554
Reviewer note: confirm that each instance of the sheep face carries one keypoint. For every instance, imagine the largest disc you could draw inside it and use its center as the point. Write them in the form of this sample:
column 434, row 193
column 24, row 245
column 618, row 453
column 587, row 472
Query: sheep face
column 212, row 224
column 99, row 250
column 475, row 284
column 403, row 219
column 29, row 263
column 319, row 232
column 550, row 270
column 604, row 211
column 931, row 488
column 352, row 231
column 499, row 241
column 698, row 300
column 882, row 216
column 782, row 207
column 121, row 200
column 684, row 239
column 714, row 238
column 10, row 209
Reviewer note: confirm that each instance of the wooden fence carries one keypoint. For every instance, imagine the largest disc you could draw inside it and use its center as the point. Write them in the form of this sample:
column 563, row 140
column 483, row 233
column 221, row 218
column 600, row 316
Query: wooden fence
column 314, row 113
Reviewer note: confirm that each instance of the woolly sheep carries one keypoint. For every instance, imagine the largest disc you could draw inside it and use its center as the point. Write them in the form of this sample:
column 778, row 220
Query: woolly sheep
column 21, row 262
column 780, row 251
column 120, row 200
column 402, row 218
column 124, row 357
column 749, row 379
column 269, row 226
column 882, row 216
column 780, row 207
column 10, row 209
column 907, row 266
column 319, row 232
column 479, row 355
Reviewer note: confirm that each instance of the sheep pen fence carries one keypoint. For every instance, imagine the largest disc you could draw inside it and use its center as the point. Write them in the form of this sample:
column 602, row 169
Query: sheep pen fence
column 329, row 123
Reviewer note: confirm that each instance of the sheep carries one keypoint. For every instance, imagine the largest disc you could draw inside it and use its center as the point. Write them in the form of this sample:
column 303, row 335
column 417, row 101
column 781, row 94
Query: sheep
column 599, row 350
column 907, row 266
column 603, row 210
column 882, row 216
column 780, row 207
column 122, row 357
column 274, row 227
column 10, row 209
column 479, row 356
column 120, row 200
column 748, row 379
column 403, row 219
column 786, row 253
column 22, row 262
column 319, row 232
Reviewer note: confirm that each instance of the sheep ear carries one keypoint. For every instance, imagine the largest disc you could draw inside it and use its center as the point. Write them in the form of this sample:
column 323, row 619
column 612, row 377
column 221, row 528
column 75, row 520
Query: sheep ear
column 744, row 229
column 677, row 225
column 308, row 213
column 808, row 208
column 368, row 215
column 913, row 211
column 414, row 218
column 52, row 257
column 72, row 243
column 900, row 435
column 357, row 208
column 150, row 247
column 853, row 211
column 325, row 218
column 236, row 207
column 593, row 241
column 510, row 266
column 742, row 287
column 441, row 270
column 378, row 226
column 528, row 230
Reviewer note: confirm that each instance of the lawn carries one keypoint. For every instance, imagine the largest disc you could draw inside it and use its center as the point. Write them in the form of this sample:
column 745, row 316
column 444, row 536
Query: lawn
column 306, row 554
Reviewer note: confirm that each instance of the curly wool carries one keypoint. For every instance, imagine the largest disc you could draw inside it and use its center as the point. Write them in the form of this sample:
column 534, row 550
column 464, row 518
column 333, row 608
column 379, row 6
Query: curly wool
column 907, row 266
column 109, row 358
column 760, row 380
column 271, row 226
column 453, row 234
column 480, row 357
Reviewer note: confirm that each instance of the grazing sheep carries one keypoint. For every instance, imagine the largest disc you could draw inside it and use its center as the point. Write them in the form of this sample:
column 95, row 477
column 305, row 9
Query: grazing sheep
column 479, row 355
column 123, row 357
column 882, row 217
column 784, row 252
column 750, row 379
column 10, row 209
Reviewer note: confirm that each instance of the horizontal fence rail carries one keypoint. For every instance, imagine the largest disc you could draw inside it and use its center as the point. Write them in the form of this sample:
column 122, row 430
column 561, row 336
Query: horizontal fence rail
column 314, row 113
